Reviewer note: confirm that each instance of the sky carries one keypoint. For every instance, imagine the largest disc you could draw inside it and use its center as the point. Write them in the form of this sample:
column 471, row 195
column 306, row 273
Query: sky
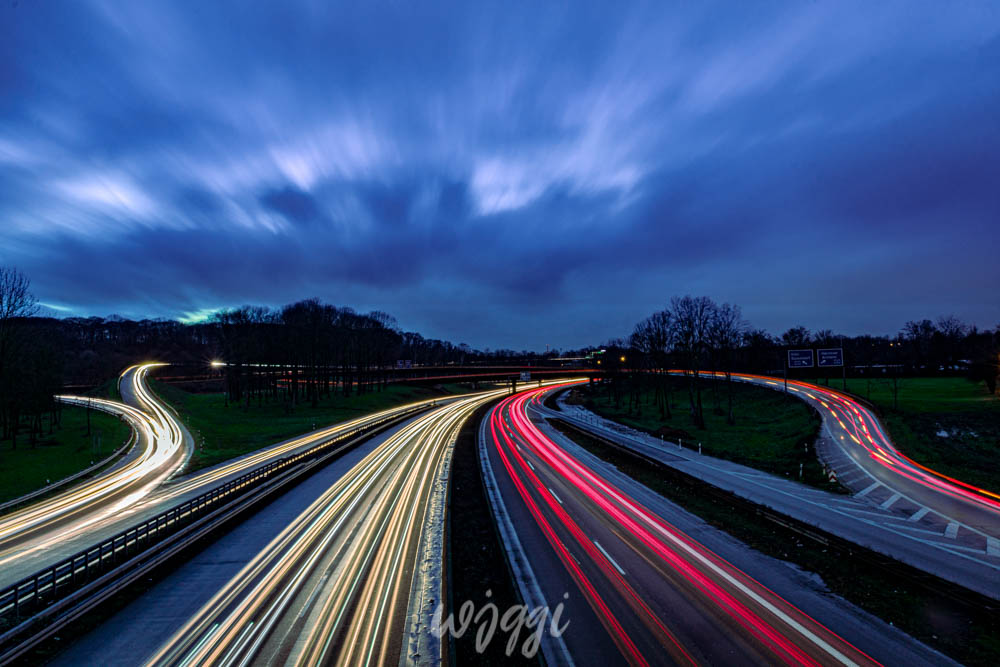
column 505, row 174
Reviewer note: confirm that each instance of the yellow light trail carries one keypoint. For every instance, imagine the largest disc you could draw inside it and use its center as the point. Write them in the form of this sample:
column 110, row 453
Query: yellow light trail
column 333, row 587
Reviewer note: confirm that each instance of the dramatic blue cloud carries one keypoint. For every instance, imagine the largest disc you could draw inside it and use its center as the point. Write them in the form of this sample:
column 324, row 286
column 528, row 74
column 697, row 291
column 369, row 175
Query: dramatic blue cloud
column 505, row 174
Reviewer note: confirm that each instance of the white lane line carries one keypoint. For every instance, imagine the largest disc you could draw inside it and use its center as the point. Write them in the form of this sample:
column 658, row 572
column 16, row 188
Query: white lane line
column 920, row 514
column 992, row 546
column 951, row 532
column 892, row 499
column 529, row 464
column 608, row 556
column 554, row 495
column 871, row 488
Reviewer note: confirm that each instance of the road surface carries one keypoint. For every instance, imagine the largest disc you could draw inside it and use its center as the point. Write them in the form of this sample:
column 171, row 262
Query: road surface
column 31, row 551
column 354, row 578
column 888, row 525
column 640, row 582
column 161, row 449
column 867, row 461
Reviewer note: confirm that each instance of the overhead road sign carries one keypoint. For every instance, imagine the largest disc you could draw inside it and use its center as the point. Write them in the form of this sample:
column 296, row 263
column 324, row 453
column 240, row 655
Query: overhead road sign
column 800, row 358
column 830, row 357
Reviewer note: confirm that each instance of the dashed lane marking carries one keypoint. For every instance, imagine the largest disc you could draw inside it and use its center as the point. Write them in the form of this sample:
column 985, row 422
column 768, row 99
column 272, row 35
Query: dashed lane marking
column 610, row 559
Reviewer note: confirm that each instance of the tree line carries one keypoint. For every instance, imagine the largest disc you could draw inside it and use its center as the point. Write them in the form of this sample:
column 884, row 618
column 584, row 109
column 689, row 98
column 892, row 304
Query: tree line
column 31, row 361
column 697, row 333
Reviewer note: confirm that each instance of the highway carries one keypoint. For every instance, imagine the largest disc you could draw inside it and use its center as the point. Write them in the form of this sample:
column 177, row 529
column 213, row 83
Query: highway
column 639, row 579
column 161, row 449
column 43, row 533
column 355, row 577
column 871, row 465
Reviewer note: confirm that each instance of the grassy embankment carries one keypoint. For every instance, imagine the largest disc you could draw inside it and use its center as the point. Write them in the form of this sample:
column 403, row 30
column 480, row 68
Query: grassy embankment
column 948, row 424
column 64, row 452
column 770, row 431
column 223, row 432
column 970, row 635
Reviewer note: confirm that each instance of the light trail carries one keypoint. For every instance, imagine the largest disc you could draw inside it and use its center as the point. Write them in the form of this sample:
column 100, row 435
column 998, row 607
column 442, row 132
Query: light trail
column 334, row 586
column 863, row 428
column 636, row 600
column 161, row 452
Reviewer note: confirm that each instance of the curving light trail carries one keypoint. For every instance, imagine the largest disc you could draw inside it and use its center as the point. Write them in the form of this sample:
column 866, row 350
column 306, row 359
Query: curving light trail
column 161, row 452
column 672, row 577
column 335, row 585
column 859, row 428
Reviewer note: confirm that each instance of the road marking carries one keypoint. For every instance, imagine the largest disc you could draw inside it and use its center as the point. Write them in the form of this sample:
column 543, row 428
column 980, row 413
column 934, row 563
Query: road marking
column 951, row 532
column 554, row 495
column 871, row 488
column 992, row 546
column 608, row 556
column 893, row 498
column 920, row 514
column 529, row 464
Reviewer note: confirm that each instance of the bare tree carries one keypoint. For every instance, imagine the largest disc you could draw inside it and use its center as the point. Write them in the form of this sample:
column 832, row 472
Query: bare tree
column 690, row 318
column 653, row 337
column 726, row 331
column 16, row 304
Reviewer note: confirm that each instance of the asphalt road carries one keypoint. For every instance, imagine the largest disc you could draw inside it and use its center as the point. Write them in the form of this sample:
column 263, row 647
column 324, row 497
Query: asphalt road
column 99, row 518
column 644, row 581
column 872, row 465
column 40, row 531
column 877, row 516
column 354, row 577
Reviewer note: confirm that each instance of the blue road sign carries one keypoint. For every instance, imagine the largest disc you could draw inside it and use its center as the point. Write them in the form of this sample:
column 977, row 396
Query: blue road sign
column 800, row 358
column 831, row 357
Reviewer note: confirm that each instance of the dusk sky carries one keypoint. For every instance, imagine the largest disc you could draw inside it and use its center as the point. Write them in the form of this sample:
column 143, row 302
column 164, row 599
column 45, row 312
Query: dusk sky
column 505, row 175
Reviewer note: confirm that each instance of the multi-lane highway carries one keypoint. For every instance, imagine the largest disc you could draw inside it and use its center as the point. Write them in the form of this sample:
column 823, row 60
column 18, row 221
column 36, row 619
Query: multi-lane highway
column 161, row 448
column 355, row 577
column 46, row 532
column 640, row 588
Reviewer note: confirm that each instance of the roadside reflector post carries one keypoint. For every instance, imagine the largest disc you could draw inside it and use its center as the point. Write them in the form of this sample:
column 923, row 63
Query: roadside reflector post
column 699, row 448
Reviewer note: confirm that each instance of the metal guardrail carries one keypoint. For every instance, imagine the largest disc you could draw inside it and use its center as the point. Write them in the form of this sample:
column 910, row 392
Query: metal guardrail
column 55, row 486
column 973, row 600
column 33, row 594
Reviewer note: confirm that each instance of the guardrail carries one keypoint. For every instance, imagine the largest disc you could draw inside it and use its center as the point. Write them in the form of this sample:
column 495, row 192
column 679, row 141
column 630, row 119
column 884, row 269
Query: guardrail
column 55, row 486
column 22, row 604
column 931, row 583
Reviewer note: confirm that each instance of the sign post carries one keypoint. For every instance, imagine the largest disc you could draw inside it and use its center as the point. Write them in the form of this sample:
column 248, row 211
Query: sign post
column 833, row 356
column 797, row 359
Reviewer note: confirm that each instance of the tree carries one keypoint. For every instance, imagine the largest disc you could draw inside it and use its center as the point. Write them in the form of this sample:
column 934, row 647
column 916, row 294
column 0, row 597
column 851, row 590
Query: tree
column 690, row 318
column 653, row 338
column 726, row 330
column 796, row 337
column 16, row 305
column 952, row 331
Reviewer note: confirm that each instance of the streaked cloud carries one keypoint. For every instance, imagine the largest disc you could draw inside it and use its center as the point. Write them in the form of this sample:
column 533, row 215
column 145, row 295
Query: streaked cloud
column 499, row 173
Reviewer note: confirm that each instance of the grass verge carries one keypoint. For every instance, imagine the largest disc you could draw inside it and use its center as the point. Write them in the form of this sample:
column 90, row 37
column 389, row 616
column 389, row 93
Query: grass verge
column 948, row 424
column 476, row 561
column 772, row 432
column 223, row 431
column 966, row 632
column 75, row 630
column 64, row 452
